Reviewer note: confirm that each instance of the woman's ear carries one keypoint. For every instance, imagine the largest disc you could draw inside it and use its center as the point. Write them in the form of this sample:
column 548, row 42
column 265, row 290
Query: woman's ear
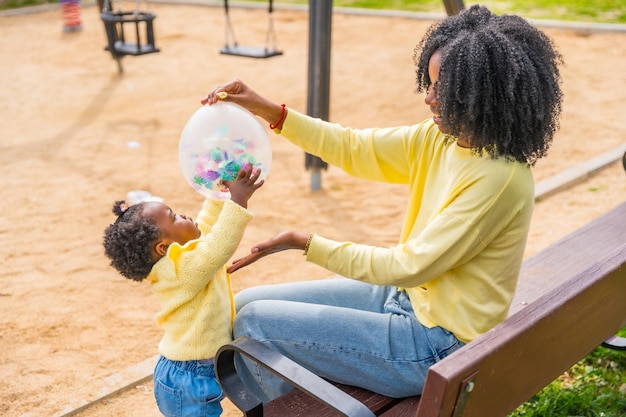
column 161, row 247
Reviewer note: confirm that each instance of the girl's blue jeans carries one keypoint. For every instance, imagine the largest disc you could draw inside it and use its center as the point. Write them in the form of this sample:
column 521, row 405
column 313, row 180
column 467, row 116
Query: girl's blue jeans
column 343, row 330
column 187, row 388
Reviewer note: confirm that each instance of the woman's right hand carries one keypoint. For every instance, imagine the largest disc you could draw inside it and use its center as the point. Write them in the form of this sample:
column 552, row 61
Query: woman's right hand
column 239, row 93
column 282, row 241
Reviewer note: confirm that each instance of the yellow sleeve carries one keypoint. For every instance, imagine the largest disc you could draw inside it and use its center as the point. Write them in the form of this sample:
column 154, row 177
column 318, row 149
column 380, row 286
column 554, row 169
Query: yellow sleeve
column 199, row 260
column 373, row 154
column 209, row 214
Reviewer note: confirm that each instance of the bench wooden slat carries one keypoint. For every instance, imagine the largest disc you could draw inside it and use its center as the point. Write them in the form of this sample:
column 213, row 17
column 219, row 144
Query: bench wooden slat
column 297, row 403
column 517, row 358
column 406, row 408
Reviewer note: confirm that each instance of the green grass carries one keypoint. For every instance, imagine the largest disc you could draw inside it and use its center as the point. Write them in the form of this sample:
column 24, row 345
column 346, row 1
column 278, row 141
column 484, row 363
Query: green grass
column 13, row 4
column 606, row 11
column 601, row 11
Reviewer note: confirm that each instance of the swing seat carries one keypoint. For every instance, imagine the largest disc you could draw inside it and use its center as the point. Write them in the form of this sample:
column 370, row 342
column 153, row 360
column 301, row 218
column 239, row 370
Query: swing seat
column 250, row 51
column 118, row 46
column 233, row 48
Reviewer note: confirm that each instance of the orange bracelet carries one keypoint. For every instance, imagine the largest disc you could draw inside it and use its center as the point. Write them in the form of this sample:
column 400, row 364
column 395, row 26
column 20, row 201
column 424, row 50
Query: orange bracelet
column 282, row 118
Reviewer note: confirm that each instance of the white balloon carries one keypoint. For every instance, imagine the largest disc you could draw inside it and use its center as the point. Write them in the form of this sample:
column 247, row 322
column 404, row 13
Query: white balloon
column 218, row 141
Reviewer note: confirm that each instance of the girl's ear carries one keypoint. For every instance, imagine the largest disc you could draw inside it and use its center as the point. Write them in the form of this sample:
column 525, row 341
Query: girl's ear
column 161, row 247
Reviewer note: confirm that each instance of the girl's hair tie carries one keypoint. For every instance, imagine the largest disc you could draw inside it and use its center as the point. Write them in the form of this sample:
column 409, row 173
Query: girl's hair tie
column 120, row 207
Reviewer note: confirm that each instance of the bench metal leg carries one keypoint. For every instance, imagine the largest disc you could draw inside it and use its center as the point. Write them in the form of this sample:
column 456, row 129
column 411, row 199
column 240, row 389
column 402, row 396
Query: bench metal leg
column 285, row 368
column 615, row 342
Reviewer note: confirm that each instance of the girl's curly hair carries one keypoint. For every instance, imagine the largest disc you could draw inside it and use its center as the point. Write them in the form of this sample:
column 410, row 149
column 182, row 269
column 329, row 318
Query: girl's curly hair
column 127, row 241
column 498, row 85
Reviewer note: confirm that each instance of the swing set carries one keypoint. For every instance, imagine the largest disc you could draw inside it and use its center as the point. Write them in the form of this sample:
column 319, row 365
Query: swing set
column 132, row 33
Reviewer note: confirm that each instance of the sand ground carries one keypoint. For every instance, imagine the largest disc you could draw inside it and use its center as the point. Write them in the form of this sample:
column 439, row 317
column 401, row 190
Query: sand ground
column 75, row 136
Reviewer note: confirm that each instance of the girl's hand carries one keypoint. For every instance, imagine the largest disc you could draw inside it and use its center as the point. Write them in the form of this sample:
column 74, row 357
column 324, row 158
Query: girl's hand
column 282, row 241
column 242, row 187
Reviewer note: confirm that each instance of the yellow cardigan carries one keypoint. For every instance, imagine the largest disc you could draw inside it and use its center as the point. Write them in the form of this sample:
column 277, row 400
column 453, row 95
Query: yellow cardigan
column 193, row 287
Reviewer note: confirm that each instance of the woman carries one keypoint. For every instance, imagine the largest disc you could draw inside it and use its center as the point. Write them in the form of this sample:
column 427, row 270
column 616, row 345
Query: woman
column 493, row 86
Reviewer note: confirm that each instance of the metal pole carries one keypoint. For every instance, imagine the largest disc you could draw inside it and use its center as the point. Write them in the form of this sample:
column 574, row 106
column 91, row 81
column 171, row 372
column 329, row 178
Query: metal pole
column 453, row 6
column 318, row 95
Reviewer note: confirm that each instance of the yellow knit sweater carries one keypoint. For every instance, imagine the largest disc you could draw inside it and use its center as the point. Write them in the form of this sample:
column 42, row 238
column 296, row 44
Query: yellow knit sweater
column 193, row 287
column 464, row 233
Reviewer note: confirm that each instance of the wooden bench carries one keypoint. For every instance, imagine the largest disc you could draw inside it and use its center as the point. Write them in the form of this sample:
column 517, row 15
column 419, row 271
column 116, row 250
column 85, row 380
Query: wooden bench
column 570, row 299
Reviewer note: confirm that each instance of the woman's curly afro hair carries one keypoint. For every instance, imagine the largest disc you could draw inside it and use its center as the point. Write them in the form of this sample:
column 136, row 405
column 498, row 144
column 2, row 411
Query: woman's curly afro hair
column 498, row 86
column 128, row 240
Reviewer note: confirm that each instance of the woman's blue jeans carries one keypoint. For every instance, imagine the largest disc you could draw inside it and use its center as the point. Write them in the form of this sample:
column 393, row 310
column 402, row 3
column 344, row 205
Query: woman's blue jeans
column 343, row 330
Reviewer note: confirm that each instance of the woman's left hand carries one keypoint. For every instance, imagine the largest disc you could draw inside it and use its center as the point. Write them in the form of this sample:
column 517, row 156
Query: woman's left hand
column 282, row 241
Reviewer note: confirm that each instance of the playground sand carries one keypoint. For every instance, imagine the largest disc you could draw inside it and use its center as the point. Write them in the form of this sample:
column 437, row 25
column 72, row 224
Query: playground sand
column 76, row 135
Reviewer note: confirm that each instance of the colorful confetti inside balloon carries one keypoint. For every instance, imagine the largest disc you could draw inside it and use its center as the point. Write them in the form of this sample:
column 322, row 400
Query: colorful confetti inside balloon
column 218, row 141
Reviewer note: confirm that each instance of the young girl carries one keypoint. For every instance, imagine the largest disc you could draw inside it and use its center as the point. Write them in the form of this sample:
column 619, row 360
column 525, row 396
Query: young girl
column 185, row 265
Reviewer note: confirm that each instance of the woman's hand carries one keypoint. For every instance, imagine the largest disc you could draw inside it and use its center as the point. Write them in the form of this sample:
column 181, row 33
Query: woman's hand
column 282, row 241
column 239, row 93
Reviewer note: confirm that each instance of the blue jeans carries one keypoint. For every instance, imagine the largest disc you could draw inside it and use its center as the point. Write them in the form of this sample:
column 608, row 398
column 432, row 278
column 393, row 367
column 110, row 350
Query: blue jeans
column 187, row 388
column 342, row 330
